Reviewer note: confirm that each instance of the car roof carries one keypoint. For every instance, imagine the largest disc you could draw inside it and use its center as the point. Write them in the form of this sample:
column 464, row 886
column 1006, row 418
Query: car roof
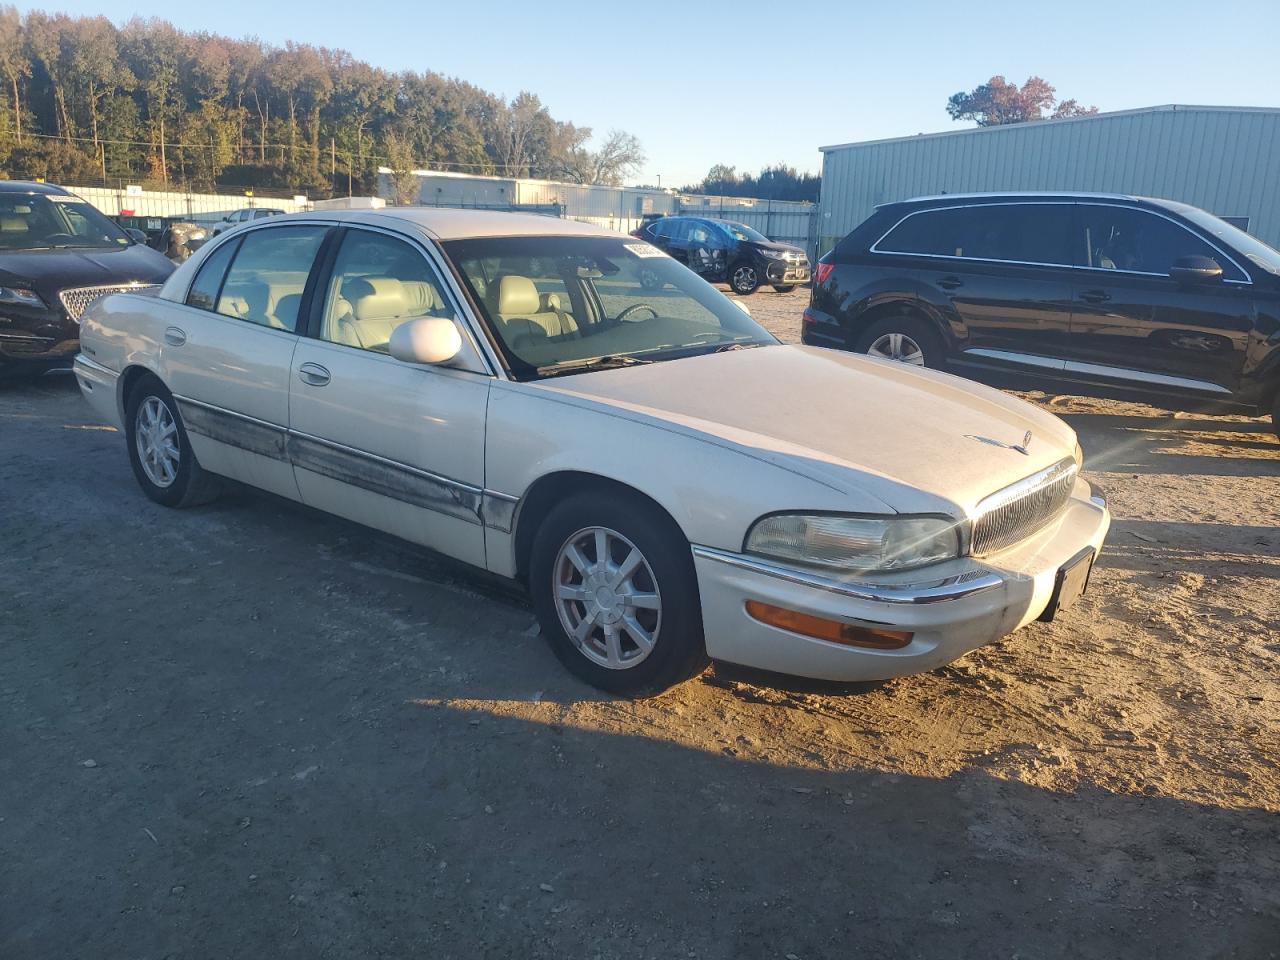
column 1012, row 196
column 30, row 186
column 448, row 223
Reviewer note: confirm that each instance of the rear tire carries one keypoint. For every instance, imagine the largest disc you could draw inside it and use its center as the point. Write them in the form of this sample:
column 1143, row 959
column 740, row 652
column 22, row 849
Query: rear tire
column 159, row 451
column 784, row 288
column 904, row 337
column 572, row 590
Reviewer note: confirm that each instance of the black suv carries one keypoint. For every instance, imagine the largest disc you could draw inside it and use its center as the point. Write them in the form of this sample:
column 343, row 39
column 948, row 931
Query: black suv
column 57, row 255
column 1129, row 294
column 728, row 252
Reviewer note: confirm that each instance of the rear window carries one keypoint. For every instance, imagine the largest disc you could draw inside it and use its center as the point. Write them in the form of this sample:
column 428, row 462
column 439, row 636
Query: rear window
column 1018, row 233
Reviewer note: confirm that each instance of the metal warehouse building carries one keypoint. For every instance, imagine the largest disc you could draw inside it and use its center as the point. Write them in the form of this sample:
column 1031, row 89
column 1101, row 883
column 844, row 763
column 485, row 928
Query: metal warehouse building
column 1224, row 159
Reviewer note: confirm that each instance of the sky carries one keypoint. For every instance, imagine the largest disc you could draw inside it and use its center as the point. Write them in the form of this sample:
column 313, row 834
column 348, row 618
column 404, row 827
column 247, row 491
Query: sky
column 750, row 83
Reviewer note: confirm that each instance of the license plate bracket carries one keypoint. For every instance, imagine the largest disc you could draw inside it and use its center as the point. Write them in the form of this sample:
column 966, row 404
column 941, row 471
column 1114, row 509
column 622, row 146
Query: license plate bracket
column 1070, row 583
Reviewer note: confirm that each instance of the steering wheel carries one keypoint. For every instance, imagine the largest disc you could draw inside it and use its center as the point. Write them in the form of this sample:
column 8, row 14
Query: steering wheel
column 622, row 317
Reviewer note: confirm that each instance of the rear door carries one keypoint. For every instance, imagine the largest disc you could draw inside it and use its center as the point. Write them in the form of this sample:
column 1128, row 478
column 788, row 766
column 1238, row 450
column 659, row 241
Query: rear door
column 1133, row 324
column 396, row 446
column 1003, row 273
column 227, row 352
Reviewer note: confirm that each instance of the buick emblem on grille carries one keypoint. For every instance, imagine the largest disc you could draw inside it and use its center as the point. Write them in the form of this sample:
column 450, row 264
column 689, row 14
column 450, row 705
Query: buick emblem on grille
column 1020, row 447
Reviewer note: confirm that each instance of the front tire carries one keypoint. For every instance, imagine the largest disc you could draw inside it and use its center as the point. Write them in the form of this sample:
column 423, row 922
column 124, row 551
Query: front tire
column 904, row 338
column 1275, row 416
column 784, row 287
column 744, row 279
column 614, row 589
column 159, row 452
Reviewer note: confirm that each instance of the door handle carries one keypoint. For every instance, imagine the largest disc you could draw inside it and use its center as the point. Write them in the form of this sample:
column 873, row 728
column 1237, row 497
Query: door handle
column 313, row 374
column 950, row 283
column 175, row 335
column 1095, row 296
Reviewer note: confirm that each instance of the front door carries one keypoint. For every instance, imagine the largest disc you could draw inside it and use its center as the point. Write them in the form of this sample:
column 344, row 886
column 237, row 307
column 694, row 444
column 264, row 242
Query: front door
column 226, row 356
column 395, row 446
column 1133, row 324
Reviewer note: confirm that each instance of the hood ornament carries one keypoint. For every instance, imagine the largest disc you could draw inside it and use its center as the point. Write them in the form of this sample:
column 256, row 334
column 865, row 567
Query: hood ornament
column 1022, row 447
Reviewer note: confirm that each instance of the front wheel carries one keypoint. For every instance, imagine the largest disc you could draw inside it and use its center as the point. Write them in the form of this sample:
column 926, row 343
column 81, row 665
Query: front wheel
column 744, row 279
column 784, row 287
column 614, row 588
column 1275, row 416
column 159, row 451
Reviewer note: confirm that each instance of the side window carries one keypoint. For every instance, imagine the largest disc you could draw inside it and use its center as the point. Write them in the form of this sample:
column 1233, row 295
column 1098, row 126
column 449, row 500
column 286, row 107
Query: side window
column 661, row 228
column 261, row 214
column 269, row 273
column 204, row 289
column 378, row 283
column 1034, row 233
column 1133, row 240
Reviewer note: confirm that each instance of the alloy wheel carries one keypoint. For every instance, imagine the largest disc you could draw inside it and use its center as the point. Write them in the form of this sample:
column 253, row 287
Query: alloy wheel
column 607, row 598
column 744, row 278
column 899, row 347
column 156, row 437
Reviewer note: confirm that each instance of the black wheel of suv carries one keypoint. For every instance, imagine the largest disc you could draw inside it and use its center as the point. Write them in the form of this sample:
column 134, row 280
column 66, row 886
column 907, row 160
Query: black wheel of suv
column 616, row 595
column 905, row 338
column 784, row 287
column 744, row 278
column 159, row 452
column 649, row 279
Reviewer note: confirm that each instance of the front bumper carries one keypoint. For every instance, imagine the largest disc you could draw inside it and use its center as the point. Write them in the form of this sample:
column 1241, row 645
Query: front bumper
column 786, row 271
column 950, row 609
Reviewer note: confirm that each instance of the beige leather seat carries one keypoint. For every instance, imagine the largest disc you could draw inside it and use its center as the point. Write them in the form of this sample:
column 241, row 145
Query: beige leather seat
column 369, row 308
column 13, row 224
column 525, row 314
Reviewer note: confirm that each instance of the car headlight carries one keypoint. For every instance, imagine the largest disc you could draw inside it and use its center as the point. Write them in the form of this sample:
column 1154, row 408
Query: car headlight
column 22, row 296
column 855, row 544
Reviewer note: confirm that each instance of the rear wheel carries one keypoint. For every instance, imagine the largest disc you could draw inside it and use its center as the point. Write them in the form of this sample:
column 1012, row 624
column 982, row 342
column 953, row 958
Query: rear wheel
column 614, row 588
column 904, row 338
column 159, row 451
column 784, row 287
column 744, row 278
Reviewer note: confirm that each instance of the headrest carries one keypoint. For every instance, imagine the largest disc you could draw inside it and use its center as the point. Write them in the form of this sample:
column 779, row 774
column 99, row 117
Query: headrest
column 517, row 295
column 375, row 298
column 10, row 224
column 549, row 302
column 421, row 297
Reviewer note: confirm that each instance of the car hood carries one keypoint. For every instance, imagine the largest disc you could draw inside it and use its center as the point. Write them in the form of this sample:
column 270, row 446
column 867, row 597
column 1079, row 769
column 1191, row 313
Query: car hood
column 907, row 436
column 52, row 270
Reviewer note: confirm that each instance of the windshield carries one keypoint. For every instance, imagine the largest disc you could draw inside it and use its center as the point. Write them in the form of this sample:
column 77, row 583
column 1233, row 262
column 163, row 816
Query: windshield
column 740, row 231
column 1259, row 254
column 574, row 302
column 39, row 221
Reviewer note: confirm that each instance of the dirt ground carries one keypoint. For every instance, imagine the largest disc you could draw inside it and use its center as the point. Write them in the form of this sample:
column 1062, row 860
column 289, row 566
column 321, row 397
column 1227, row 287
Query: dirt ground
column 253, row 730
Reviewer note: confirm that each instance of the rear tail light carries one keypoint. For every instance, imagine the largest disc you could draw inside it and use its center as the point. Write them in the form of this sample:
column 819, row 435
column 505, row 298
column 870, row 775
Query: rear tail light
column 823, row 271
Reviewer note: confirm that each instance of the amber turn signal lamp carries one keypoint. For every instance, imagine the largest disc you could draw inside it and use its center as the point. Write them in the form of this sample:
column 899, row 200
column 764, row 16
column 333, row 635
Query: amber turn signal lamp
column 832, row 631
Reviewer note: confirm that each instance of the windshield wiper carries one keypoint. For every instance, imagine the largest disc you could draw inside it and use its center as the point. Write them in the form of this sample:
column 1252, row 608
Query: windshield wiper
column 608, row 362
column 725, row 348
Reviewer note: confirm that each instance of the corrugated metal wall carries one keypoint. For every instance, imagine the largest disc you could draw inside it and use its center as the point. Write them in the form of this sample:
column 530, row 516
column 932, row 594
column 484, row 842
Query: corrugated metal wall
column 1226, row 160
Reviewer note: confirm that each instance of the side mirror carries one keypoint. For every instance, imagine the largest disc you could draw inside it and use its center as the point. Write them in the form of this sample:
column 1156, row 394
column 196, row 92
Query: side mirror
column 136, row 235
column 1195, row 270
column 433, row 340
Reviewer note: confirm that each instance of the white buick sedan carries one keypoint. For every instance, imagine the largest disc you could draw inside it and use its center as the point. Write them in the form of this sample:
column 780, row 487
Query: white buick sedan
column 569, row 407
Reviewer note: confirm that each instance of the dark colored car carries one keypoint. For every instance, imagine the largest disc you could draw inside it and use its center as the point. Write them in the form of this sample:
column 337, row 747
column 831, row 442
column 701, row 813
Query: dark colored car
column 57, row 255
column 1126, row 294
column 723, row 251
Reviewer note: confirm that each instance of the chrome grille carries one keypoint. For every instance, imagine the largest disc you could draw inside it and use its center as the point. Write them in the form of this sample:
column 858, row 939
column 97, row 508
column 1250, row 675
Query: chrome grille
column 76, row 300
column 1019, row 510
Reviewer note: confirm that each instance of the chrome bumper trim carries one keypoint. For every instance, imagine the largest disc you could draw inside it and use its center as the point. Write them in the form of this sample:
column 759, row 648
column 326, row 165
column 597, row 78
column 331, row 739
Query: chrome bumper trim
column 96, row 367
column 933, row 591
